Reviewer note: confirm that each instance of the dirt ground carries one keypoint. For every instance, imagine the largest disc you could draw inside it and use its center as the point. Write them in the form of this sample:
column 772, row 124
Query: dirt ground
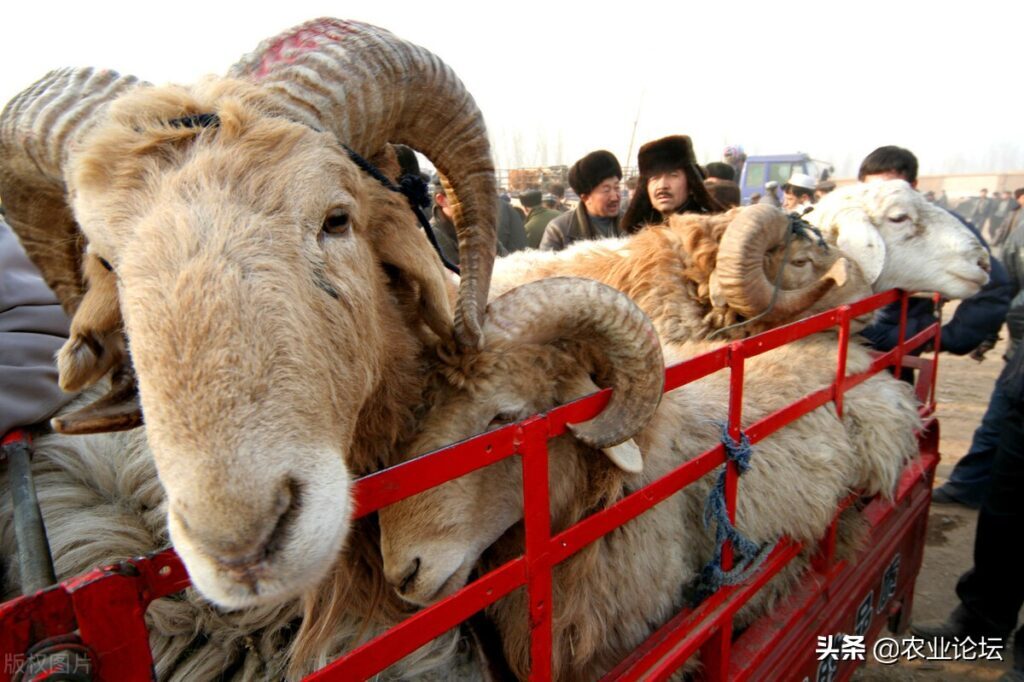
column 963, row 392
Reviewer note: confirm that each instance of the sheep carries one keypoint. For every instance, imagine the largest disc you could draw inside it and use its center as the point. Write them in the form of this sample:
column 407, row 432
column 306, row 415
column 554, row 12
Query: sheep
column 900, row 240
column 103, row 502
column 698, row 274
column 695, row 277
column 262, row 278
column 275, row 298
column 614, row 593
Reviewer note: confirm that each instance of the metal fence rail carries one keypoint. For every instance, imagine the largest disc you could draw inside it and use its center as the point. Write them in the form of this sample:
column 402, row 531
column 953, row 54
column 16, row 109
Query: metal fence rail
column 105, row 608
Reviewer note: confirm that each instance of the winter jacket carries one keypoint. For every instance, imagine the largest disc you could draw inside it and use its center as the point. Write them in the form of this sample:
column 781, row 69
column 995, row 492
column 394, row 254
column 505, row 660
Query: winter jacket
column 570, row 227
column 536, row 222
column 33, row 327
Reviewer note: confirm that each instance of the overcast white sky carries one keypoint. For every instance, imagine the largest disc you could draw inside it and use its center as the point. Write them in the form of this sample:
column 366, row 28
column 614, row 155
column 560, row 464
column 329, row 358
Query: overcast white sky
column 556, row 80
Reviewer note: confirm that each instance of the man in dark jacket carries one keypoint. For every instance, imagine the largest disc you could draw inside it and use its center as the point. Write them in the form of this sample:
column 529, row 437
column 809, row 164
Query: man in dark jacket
column 992, row 592
column 972, row 475
column 511, row 234
column 537, row 218
column 670, row 182
column 976, row 319
column 595, row 178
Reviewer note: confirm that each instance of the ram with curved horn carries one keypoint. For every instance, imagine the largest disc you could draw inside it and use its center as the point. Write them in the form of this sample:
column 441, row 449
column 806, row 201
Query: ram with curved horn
column 547, row 343
column 275, row 296
column 697, row 274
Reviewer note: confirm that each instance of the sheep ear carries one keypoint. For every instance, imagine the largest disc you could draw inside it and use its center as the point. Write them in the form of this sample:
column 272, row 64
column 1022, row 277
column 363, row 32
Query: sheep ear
column 626, row 456
column 715, row 291
column 862, row 242
column 419, row 274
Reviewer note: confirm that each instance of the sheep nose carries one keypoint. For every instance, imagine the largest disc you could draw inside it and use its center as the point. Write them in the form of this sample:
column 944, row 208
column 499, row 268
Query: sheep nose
column 242, row 543
column 403, row 579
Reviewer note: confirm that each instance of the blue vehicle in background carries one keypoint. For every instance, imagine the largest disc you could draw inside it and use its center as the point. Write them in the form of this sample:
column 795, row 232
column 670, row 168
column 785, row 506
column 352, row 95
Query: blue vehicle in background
column 758, row 171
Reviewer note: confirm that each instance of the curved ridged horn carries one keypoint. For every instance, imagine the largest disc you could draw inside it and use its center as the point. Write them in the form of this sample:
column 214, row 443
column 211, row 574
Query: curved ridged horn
column 739, row 269
column 571, row 308
column 370, row 88
column 37, row 130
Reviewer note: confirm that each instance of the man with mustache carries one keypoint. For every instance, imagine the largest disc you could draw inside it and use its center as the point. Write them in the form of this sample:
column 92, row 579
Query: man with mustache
column 595, row 178
column 670, row 182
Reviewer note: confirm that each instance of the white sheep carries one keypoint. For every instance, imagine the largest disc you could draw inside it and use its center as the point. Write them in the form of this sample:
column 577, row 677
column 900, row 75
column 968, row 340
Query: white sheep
column 900, row 240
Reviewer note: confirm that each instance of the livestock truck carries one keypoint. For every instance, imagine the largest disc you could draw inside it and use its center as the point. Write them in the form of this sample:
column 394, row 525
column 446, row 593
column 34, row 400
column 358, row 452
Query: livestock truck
column 92, row 627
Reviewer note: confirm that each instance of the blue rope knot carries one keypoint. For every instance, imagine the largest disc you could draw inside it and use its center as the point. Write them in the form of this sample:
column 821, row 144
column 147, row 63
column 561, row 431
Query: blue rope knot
column 748, row 555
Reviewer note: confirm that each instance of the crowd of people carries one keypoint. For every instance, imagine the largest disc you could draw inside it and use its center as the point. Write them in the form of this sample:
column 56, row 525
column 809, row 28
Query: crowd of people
column 671, row 181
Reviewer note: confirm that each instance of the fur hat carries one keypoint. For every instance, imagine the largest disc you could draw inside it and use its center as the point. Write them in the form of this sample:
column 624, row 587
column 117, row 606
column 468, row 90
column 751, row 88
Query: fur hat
column 592, row 170
column 726, row 192
column 722, row 171
column 530, row 198
column 668, row 153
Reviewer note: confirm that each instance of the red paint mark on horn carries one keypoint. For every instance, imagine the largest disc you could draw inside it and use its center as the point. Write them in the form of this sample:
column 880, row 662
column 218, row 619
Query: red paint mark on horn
column 290, row 46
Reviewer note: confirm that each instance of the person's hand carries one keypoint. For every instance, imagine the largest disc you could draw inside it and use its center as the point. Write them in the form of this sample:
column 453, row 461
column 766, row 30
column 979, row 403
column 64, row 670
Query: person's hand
column 978, row 354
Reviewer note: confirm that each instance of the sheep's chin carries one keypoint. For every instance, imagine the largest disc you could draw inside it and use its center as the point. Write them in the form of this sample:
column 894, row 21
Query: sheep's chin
column 301, row 564
column 958, row 283
column 445, row 575
column 964, row 284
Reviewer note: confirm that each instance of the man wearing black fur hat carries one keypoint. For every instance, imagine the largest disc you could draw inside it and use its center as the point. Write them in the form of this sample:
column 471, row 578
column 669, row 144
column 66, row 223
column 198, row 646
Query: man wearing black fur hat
column 595, row 178
column 670, row 182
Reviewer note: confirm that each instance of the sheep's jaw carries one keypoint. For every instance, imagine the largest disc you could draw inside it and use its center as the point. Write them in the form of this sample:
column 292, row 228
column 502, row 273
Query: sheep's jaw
column 435, row 573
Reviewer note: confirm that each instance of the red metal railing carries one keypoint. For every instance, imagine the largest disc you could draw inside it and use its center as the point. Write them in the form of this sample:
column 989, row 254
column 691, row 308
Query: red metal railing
column 106, row 606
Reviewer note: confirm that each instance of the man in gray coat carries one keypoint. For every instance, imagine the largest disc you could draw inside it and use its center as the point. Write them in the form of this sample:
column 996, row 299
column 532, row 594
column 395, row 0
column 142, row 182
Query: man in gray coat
column 595, row 178
column 33, row 327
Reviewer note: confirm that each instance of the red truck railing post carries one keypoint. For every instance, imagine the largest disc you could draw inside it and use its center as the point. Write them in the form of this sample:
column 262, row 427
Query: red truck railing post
column 531, row 443
column 715, row 652
column 902, row 338
column 937, row 345
column 844, row 344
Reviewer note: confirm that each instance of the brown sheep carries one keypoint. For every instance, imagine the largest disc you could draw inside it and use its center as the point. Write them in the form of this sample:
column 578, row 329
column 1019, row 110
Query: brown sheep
column 698, row 274
column 275, row 297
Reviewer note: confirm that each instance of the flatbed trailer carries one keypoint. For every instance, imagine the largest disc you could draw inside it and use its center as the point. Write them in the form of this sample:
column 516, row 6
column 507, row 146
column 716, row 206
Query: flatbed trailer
column 94, row 624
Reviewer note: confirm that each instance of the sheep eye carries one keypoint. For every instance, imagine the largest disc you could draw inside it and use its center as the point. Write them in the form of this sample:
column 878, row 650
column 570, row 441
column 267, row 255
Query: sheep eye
column 503, row 418
column 799, row 262
column 336, row 223
column 902, row 218
column 106, row 264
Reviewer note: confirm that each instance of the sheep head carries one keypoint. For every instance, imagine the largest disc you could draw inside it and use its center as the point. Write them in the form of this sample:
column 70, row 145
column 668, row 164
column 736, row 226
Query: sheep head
column 900, row 240
column 270, row 290
column 761, row 251
column 546, row 343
